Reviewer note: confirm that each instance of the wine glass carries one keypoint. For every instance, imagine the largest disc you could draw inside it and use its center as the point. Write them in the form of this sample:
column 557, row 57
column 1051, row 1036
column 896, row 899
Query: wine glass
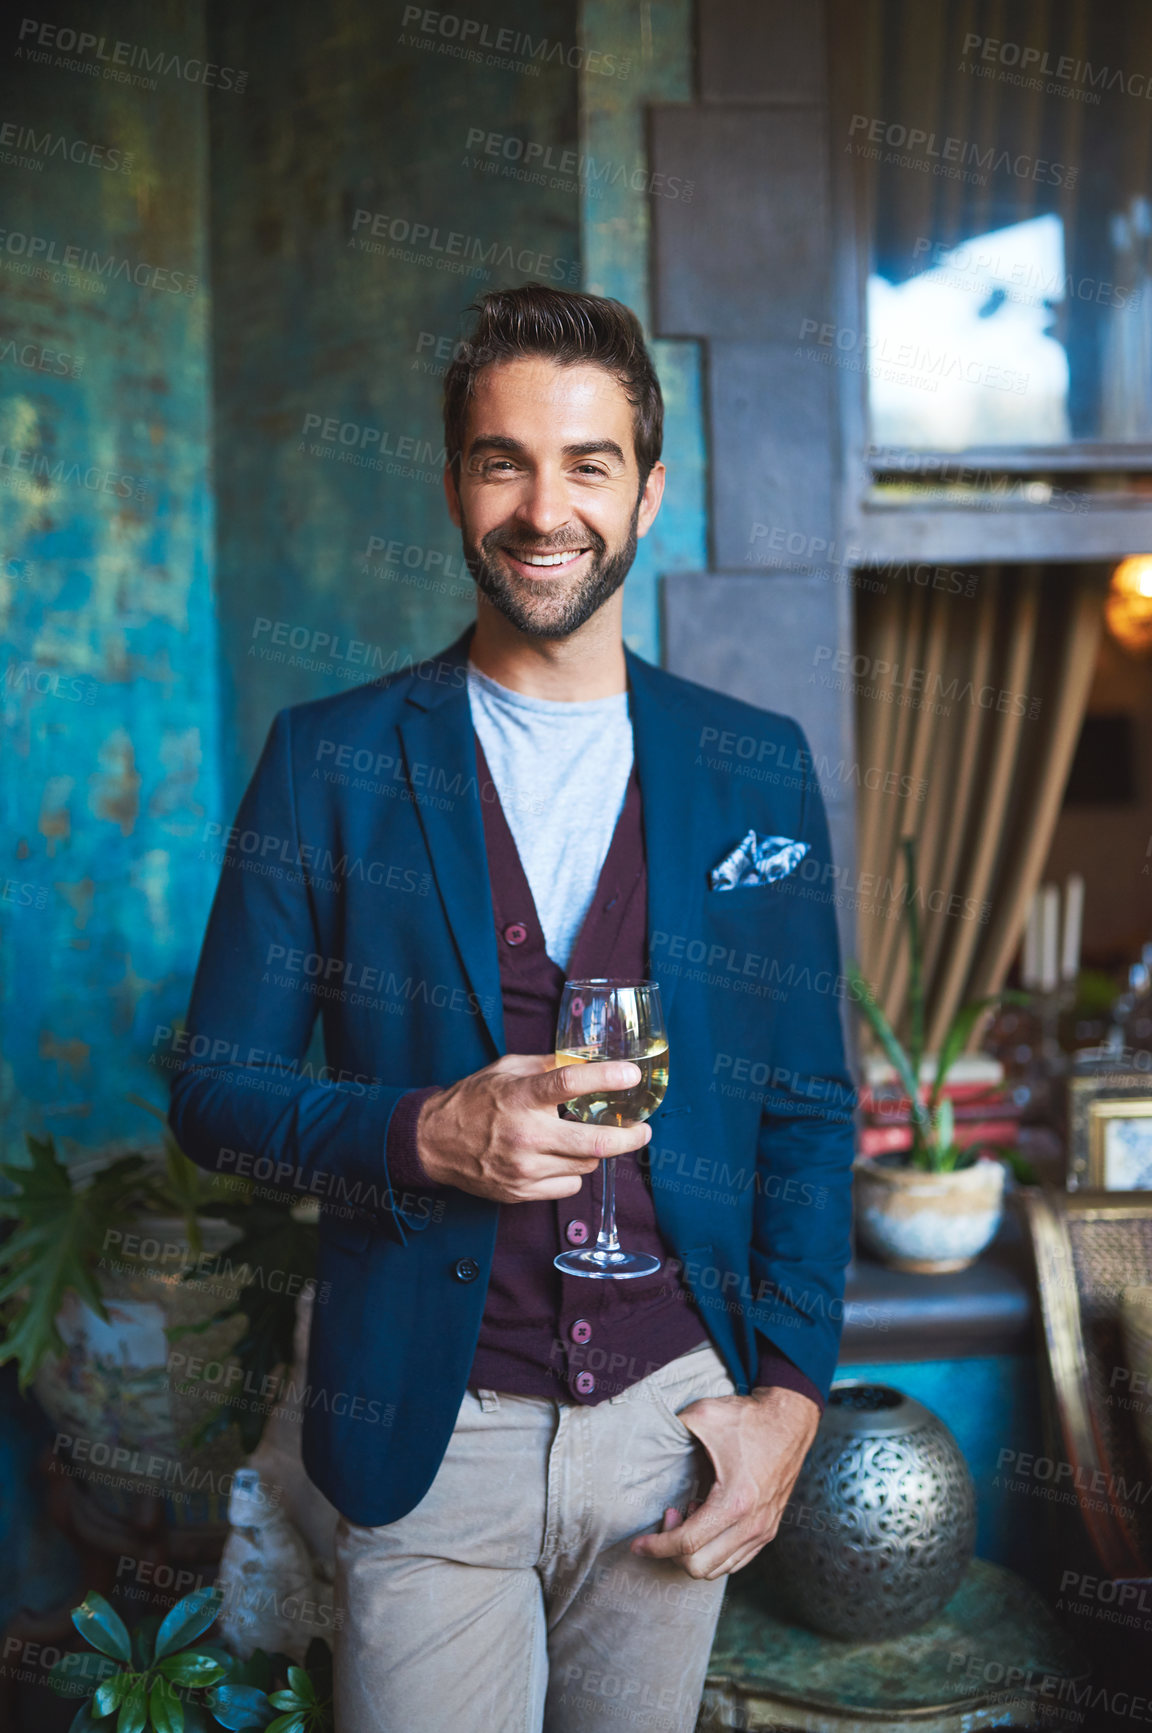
column 612, row 1020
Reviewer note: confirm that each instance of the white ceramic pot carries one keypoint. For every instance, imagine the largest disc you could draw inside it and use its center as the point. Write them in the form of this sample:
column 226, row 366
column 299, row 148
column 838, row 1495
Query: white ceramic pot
column 120, row 1391
column 929, row 1223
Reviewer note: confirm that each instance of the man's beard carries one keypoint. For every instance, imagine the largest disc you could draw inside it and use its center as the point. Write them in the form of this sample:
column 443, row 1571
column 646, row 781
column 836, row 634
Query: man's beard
column 543, row 608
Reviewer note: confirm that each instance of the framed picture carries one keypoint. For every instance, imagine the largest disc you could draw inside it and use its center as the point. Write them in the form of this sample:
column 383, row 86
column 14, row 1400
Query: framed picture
column 1110, row 1130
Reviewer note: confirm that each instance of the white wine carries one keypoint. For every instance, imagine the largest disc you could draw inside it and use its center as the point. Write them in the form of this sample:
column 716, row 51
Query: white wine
column 619, row 1106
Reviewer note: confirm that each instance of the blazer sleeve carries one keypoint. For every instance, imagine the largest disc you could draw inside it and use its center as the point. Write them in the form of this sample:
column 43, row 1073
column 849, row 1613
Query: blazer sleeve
column 801, row 1239
column 238, row 1103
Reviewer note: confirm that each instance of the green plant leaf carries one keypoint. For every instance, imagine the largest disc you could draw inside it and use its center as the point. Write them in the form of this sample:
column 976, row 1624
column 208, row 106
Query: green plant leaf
column 260, row 1669
column 102, row 1626
column 83, row 1721
column 188, row 1619
column 165, row 1708
column 240, row 1707
column 888, row 1039
column 960, row 1033
column 916, row 960
column 111, row 1693
column 293, row 1722
column 134, row 1709
column 1019, row 1167
column 299, row 1682
column 190, row 1668
column 143, row 1639
column 63, row 1230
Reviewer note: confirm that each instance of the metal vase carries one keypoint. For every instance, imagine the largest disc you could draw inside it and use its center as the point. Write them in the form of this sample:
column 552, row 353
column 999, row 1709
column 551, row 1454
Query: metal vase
column 881, row 1525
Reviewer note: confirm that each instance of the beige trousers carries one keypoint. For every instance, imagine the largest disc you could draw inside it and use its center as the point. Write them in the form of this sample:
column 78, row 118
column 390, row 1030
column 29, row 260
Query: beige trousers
column 507, row 1601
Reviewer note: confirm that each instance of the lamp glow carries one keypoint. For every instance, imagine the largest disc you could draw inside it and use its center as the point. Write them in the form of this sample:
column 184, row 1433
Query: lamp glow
column 1128, row 609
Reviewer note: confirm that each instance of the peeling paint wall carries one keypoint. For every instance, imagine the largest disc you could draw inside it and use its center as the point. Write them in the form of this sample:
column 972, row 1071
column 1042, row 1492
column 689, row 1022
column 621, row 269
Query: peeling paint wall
column 110, row 751
column 217, row 504
column 333, row 329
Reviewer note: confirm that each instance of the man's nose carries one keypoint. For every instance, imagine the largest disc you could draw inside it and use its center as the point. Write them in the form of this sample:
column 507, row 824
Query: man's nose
column 545, row 506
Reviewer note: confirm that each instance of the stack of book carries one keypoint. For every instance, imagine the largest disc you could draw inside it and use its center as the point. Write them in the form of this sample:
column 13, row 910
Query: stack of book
column 983, row 1108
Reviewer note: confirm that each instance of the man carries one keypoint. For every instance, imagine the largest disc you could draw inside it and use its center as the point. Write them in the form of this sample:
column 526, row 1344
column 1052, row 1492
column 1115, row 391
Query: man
column 545, row 1481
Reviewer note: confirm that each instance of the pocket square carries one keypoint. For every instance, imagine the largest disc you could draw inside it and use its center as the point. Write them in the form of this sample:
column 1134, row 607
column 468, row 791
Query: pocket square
column 758, row 860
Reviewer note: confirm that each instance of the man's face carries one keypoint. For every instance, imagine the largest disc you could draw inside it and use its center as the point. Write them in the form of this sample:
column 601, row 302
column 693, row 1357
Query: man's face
column 549, row 502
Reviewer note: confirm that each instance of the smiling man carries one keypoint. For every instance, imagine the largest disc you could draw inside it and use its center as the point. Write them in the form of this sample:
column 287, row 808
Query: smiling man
column 540, row 1535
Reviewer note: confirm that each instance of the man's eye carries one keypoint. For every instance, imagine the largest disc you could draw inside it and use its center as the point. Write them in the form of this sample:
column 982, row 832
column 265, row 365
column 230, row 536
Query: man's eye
column 493, row 464
column 590, row 469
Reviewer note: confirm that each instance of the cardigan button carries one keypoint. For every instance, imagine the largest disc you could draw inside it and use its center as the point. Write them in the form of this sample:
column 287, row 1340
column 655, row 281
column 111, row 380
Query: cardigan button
column 584, row 1383
column 466, row 1270
column 577, row 1233
column 515, row 933
column 581, row 1331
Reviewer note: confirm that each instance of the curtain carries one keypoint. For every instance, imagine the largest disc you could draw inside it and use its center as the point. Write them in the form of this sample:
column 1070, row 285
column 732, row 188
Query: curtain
column 968, row 712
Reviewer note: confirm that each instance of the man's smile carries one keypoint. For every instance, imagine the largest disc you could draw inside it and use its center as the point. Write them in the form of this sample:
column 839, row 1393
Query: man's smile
column 533, row 564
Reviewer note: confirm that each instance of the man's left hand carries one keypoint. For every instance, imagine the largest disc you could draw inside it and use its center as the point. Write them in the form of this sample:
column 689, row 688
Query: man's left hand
column 757, row 1444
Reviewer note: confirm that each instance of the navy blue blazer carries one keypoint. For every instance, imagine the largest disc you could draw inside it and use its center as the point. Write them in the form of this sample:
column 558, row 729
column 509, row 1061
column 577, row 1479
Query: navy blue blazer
column 355, row 889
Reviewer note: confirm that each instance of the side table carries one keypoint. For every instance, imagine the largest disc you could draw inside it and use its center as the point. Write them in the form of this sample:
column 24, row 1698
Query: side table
column 995, row 1657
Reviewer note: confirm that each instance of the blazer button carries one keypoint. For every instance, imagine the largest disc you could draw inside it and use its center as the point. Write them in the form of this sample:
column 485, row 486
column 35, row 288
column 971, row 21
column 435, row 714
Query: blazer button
column 581, row 1331
column 584, row 1383
column 466, row 1270
column 515, row 933
column 577, row 1233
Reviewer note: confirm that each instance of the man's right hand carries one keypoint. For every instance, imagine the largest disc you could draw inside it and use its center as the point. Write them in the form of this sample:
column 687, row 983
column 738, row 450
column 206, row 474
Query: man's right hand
column 497, row 1134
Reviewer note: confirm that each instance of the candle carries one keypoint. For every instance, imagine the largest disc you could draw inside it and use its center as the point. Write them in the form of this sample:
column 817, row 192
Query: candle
column 1049, row 937
column 1030, row 968
column 1073, row 926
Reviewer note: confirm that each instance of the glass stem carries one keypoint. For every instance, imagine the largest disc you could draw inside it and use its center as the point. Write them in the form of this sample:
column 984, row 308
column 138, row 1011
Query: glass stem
column 606, row 1239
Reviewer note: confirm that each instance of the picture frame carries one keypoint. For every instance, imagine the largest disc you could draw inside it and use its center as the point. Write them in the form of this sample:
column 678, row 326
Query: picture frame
column 1110, row 1130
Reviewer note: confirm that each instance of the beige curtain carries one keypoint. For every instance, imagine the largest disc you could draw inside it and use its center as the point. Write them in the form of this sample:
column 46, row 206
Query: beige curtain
column 975, row 703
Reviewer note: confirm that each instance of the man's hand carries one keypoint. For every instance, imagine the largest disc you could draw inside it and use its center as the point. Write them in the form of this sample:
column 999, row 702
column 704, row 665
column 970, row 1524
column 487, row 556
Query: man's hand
column 497, row 1133
column 757, row 1445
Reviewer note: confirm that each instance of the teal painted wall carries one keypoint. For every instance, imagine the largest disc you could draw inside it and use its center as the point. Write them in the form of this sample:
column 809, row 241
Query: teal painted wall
column 989, row 1405
column 106, row 545
column 185, row 546
column 320, row 319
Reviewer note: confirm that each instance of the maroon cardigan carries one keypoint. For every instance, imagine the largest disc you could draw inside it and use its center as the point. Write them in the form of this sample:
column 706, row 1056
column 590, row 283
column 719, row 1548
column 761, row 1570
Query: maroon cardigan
column 545, row 1333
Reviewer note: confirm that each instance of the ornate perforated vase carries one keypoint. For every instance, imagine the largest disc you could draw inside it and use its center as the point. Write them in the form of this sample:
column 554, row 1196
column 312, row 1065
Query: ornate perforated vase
column 881, row 1524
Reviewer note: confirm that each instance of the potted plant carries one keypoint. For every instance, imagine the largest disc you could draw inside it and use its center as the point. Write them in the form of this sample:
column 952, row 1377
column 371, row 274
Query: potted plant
column 933, row 1206
column 112, row 1285
column 154, row 1683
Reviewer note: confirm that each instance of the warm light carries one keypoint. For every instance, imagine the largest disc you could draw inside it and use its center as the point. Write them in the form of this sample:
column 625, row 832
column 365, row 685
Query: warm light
column 1128, row 609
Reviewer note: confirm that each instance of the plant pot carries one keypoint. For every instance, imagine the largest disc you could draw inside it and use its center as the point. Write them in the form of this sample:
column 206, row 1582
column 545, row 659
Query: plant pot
column 116, row 1395
column 928, row 1223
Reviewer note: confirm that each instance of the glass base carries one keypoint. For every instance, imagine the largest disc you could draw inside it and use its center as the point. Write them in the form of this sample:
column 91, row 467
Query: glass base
column 608, row 1266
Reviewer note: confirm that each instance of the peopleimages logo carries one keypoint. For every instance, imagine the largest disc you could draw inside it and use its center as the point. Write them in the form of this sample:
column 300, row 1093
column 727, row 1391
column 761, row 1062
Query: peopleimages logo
column 40, row 146
column 426, row 244
column 466, row 37
column 112, row 58
column 38, row 249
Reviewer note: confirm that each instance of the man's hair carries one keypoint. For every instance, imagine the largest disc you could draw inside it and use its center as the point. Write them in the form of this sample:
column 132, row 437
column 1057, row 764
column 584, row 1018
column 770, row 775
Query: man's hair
column 567, row 328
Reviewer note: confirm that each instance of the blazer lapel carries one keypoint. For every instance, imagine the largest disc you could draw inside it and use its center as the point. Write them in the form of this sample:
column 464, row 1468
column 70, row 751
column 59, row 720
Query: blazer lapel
column 665, row 754
column 439, row 747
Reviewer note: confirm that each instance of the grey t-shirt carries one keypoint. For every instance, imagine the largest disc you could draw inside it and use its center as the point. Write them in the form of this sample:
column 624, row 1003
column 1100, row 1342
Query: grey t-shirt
column 561, row 771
